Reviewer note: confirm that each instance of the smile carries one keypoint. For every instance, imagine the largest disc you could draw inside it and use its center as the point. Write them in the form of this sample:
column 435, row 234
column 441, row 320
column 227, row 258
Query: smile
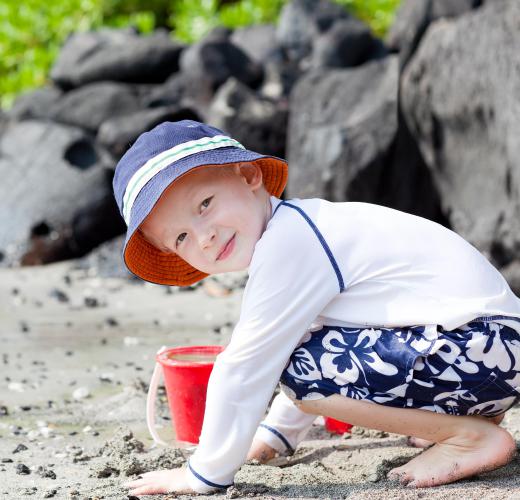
column 227, row 249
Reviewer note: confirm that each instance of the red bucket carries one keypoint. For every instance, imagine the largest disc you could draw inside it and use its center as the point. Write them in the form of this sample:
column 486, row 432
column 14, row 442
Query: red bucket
column 186, row 372
column 335, row 426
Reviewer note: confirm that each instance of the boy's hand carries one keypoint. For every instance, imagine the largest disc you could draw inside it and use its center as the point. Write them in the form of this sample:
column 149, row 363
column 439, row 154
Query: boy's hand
column 160, row 481
column 261, row 451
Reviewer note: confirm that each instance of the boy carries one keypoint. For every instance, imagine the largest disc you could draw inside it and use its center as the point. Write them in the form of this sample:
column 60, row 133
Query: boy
column 333, row 295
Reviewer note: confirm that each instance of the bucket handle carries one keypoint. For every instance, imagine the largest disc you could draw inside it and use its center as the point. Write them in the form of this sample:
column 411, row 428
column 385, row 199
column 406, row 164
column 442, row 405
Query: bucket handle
column 150, row 401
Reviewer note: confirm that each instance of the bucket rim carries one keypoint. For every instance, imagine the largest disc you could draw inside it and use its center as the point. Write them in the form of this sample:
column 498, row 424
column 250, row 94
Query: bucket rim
column 164, row 356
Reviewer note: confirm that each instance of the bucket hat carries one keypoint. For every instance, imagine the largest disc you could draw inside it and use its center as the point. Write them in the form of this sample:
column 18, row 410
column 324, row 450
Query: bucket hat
column 156, row 160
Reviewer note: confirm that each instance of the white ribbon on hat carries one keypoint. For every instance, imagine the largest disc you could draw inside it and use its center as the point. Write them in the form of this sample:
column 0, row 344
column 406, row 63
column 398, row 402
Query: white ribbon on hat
column 164, row 159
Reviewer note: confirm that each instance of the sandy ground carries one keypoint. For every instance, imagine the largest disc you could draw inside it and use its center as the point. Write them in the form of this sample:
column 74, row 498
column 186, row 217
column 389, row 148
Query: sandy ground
column 77, row 351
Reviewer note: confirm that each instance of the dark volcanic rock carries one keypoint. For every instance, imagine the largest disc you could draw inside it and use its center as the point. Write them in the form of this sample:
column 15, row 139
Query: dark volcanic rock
column 96, row 223
column 414, row 17
column 35, row 104
column 460, row 99
column 182, row 91
column 406, row 181
column 511, row 273
column 301, row 21
column 49, row 171
column 89, row 106
column 118, row 55
column 348, row 43
column 214, row 60
column 259, row 124
column 342, row 125
column 117, row 134
column 258, row 42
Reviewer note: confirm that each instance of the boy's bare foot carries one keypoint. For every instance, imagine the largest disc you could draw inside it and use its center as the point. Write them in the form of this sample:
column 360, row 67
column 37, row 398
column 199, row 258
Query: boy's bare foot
column 479, row 447
column 424, row 443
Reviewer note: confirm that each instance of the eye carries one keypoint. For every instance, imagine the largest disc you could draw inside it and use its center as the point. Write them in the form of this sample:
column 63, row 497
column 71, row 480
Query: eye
column 204, row 204
column 180, row 238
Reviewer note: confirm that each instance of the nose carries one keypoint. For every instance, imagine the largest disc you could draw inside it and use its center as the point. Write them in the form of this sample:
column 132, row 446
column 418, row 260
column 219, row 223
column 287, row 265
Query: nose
column 206, row 236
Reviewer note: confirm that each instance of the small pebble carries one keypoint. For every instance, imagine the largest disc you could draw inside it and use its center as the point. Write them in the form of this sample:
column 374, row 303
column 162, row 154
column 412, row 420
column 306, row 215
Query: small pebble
column 47, row 432
column 106, row 377
column 59, row 295
column 33, row 435
column 50, row 493
column 19, row 448
column 81, row 393
column 16, row 387
column 3, row 411
column 7, row 460
column 24, row 326
column 22, row 469
column 29, row 491
column 128, row 341
column 44, row 472
column 91, row 302
column 111, row 322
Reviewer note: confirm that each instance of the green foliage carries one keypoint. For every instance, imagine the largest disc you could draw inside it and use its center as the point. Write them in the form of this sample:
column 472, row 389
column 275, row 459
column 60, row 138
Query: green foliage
column 192, row 19
column 33, row 31
column 378, row 14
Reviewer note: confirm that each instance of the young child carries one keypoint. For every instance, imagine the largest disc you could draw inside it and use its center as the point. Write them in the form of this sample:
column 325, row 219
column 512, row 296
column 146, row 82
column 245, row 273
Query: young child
column 366, row 314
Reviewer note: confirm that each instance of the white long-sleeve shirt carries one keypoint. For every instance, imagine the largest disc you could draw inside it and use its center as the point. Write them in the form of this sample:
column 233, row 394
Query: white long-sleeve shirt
column 323, row 263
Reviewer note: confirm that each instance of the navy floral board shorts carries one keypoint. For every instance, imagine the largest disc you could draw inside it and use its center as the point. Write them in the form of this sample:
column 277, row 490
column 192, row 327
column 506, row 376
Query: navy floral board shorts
column 474, row 369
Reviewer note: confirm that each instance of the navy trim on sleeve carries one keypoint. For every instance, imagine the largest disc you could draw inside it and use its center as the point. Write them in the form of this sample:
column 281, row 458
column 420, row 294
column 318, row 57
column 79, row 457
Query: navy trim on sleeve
column 322, row 241
column 209, row 483
column 280, row 436
column 495, row 318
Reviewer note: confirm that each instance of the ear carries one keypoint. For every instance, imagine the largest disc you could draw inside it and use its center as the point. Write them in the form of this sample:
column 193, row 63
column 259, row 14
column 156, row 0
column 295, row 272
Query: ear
column 252, row 173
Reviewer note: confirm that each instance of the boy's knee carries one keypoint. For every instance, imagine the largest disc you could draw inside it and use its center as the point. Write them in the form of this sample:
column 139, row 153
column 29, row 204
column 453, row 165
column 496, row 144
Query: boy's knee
column 308, row 406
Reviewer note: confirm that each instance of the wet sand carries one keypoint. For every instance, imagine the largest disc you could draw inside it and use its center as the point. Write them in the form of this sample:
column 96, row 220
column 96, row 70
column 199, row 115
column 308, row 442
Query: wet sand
column 77, row 351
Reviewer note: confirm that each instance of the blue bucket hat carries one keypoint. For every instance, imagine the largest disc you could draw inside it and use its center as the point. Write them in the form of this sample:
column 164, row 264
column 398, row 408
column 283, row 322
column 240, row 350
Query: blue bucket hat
column 155, row 161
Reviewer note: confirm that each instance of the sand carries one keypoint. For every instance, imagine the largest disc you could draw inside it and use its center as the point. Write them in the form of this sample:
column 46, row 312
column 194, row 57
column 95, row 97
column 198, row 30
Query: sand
column 77, row 351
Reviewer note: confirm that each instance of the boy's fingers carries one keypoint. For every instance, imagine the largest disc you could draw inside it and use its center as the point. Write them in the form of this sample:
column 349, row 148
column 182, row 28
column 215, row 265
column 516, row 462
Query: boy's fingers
column 147, row 490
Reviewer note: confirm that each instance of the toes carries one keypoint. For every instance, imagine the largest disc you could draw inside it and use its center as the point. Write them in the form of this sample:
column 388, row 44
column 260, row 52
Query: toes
column 400, row 474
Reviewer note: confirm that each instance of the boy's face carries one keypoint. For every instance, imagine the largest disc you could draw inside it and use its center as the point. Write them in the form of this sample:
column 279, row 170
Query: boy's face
column 205, row 212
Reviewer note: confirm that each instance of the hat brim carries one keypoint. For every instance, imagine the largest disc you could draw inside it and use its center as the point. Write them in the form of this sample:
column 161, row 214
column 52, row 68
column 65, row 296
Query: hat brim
column 149, row 263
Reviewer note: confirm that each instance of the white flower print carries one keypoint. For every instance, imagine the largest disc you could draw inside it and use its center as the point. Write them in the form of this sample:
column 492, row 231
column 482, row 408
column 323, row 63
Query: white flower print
column 345, row 356
column 489, row 408
column 351, row 391
column 303, row 366
column 488, row 348
column 446, row 350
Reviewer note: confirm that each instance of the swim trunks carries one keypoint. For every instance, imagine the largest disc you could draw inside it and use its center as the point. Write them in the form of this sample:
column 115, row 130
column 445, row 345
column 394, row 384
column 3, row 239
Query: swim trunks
column 473, row 369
